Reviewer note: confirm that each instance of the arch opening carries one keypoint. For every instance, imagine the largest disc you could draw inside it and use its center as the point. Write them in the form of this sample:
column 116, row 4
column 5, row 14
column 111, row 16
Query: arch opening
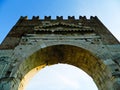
column 61, row 77
column 65, row 54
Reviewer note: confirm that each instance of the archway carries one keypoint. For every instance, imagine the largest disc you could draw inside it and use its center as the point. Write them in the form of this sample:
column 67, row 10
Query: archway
column 65, row 54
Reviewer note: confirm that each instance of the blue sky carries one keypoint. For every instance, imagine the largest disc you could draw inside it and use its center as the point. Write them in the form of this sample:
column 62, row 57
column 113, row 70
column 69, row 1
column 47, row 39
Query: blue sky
column 108, row 11
column 61, row 77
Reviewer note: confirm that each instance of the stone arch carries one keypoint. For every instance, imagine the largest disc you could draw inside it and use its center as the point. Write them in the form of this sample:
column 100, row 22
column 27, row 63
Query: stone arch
column 66, row 54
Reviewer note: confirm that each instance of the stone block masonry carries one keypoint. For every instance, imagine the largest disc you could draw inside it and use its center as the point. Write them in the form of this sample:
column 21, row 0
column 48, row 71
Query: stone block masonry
column 35, row 43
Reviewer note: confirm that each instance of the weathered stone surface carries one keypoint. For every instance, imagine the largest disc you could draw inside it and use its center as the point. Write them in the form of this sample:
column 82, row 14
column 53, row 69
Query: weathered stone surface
column 85, row 43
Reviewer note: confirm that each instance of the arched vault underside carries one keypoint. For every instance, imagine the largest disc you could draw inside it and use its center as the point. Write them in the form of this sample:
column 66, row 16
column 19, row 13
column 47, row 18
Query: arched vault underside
column 65, row 54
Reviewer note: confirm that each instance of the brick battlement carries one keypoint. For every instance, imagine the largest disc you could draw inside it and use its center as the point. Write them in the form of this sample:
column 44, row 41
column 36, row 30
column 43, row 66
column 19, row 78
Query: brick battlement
column 58, row 18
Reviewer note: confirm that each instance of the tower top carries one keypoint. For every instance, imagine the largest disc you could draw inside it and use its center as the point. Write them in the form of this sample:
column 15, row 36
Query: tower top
column 71, row 25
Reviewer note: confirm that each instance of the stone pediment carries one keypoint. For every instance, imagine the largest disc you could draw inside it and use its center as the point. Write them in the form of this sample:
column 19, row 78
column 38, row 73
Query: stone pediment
column 62, row 27
column 59, row 24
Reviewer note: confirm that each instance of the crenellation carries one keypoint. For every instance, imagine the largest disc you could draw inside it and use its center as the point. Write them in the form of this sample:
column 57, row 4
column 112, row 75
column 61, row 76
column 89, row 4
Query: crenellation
column 35, row 18
column 91, row 18
column 47, row 18
column 82, row 18
column 96, row 18
column 59, row 17
column 23, row 18
column 71, row 17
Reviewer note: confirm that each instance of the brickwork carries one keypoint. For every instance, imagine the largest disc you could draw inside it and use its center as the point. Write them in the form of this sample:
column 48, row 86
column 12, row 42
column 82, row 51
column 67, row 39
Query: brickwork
column 35, row 43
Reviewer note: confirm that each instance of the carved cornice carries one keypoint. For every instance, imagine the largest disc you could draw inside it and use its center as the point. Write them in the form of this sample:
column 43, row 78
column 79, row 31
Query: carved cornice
column 60, row 26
